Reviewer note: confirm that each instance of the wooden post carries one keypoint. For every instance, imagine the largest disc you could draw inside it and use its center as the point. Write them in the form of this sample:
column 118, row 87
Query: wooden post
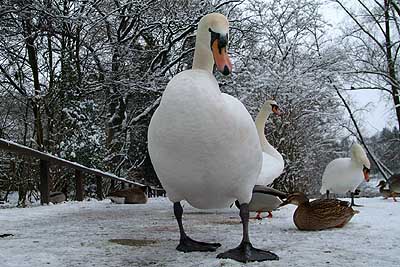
column 65, row 189
column 78, row 185
column 112, row 185
column 44, row 182
column 99, row 187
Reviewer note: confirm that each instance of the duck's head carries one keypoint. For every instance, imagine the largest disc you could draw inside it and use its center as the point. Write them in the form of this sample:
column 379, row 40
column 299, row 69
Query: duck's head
column 358, row 155
column 212, row 43
column 297, row 199
column 381, row 184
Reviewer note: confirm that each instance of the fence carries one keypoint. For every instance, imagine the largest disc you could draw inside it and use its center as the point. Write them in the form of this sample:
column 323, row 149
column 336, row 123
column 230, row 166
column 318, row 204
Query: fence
column 46, row 160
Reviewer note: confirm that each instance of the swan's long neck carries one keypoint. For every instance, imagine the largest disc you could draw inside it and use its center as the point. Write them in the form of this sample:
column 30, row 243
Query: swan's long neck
column 261, row 119
column 358, row 156
column 203, row 58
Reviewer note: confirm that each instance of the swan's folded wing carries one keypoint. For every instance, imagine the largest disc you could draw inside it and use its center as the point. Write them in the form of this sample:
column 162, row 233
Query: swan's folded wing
column 269, row 190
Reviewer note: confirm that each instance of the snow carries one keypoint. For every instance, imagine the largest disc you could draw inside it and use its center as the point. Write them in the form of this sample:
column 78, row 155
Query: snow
column 79, row 233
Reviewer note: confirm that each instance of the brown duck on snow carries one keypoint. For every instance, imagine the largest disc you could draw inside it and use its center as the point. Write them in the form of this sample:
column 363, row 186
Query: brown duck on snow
column 319, row 214
column 386, row 193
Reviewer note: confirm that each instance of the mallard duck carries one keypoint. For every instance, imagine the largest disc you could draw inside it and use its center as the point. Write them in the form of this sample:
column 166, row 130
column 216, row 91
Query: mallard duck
column 57, row 197
column 319, row 214
column 386, row 193
column 394, row 183
column 344, row 175
column 204, row 144
column 265, row 199
column 134, row 195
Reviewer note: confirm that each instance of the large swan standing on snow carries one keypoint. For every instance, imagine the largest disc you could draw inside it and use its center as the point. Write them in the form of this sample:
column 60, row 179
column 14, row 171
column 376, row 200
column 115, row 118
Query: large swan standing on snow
column 346, row 174
column 204, row 144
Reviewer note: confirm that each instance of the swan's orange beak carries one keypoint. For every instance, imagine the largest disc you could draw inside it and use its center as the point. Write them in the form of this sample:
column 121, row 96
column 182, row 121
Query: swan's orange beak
column 366, row 174
column 221, row 58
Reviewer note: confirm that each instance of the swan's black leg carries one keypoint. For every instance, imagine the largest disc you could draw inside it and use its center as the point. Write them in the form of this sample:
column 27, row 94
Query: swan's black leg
column 186, row 244
column 352, row 201
column 245, row 252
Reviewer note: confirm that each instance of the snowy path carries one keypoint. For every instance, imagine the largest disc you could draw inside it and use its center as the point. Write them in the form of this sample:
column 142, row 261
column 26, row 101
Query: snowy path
column 79, row 234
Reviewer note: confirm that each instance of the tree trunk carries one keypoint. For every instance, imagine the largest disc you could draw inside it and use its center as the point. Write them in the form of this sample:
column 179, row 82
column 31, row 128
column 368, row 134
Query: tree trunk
column 33, row 63
column 360, row 136
column 116, row 113
column 390, row 63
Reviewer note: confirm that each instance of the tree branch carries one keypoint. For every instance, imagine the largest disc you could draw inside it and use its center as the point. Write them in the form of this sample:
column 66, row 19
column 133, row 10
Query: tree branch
column 360, row 136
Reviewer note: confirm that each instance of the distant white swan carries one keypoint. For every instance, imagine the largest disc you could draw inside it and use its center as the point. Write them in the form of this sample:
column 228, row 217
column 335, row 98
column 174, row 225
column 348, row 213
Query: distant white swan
column 273, row 163
column 266, row 198
column 342, row 175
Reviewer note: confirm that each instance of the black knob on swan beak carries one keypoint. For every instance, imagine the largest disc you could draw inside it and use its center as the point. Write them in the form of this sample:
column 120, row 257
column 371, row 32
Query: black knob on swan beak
column 226, row 70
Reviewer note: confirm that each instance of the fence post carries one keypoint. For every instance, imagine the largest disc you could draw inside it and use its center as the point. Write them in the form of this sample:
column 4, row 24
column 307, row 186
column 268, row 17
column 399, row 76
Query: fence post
column 44, row 182
column 78, row 185
column 99, row 187
column 112, row 185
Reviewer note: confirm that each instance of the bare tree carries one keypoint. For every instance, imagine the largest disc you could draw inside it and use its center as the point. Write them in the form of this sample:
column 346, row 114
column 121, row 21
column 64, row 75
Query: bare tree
column 374, row 46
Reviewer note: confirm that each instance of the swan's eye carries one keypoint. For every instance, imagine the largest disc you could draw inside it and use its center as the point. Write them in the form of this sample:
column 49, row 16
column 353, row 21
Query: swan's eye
column 214, row 36
column 366, row 170
column 222, row 39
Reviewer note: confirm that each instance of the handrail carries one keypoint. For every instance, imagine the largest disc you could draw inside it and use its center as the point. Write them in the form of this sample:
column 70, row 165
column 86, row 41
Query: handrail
column 21, row 149
column 47, row 158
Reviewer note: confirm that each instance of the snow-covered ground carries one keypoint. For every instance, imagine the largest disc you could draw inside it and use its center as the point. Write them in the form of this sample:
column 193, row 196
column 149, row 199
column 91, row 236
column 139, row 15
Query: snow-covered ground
column 99, row 233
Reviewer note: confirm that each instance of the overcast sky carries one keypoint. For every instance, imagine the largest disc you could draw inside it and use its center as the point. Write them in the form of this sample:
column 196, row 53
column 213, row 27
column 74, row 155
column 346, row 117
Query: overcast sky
column 377, row 110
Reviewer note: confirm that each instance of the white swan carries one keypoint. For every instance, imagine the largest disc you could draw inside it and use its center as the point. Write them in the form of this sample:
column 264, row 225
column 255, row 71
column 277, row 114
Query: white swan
column 265, row 199
column 342, row 175
column 272, row 166
column 204, row 144
column 273, row 162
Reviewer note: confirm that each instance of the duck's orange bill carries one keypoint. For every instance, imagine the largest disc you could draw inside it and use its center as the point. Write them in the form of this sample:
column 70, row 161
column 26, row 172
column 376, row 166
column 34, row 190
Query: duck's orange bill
column 221, row 58
column 366, row 174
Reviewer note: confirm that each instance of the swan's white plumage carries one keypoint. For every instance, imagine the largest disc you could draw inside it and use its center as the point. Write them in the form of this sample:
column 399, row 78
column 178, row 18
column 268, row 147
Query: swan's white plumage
column 273, row 163
column 345, row 174
column 271, row 168
column 203, row 144
column 264, row 202
column 359, row 155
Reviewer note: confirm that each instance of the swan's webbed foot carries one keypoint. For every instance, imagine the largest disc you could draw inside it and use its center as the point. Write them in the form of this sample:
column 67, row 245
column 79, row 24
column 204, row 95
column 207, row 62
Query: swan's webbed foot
column 245, row 252
column 187, row 244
